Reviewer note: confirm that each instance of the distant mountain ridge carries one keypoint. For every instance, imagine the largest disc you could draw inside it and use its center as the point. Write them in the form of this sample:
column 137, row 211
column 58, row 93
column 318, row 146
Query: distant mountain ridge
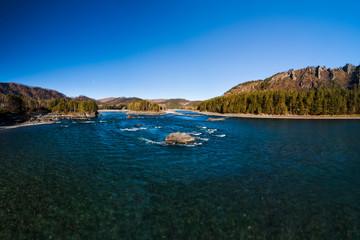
column 119, row 100
column 347, row 77
column 30, row 92
column 105, row 100
column 166, row 103
column 37, row 93
column 176, row 103
column 83, row 98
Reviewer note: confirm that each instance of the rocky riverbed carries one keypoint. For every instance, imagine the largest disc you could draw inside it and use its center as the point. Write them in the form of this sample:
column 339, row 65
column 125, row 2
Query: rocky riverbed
column 59, row 116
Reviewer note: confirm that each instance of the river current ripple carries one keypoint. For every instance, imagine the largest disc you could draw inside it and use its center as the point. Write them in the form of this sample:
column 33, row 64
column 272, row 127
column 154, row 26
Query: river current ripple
column 116, row 178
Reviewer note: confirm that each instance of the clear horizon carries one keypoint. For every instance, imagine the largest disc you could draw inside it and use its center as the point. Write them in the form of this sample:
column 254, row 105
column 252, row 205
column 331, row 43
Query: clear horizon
column 158, row 50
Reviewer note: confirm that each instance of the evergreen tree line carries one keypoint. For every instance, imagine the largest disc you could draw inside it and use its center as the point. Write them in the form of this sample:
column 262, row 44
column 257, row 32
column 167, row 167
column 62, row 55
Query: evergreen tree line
column 113, row 106
column 332, row 101
column 144, row 105
column 15, row 103
column 65, row 105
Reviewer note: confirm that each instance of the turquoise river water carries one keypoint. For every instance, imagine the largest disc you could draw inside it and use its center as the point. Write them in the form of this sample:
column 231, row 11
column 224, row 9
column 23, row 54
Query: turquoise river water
column 116, row 178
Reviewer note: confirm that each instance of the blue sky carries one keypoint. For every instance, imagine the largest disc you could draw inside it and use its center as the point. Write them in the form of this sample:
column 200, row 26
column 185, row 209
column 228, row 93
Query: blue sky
column 170, row 49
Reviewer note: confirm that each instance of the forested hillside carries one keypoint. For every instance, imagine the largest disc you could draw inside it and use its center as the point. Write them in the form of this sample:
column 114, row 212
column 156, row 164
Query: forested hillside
column 334, row 101
column 29, row 92
column 116, row 103
column 144, row 105
column 307, row 91
column 17, row 98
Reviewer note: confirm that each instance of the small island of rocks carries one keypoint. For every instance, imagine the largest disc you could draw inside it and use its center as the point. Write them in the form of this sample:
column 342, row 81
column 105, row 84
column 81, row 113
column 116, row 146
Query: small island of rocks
column 179, row 137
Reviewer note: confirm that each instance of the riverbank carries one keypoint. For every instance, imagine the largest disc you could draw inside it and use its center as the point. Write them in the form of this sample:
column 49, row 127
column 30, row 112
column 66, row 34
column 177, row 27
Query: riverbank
column 33, row 119
column 267, row 116
column 112, row 110
column 151, row 113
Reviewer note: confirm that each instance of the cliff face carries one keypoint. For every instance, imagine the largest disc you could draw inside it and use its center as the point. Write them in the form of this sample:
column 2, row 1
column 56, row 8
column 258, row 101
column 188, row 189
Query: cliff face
column 304, row 79
column 30, row 92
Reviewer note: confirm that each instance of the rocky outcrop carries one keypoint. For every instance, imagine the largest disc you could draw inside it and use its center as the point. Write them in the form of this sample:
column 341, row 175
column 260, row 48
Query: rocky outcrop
column 215, row 119
column 319, row 70
column 292, row 74
column 349, row 68
column 356, row 75
column 331, row 74
column 304, row 79
column 179, row 137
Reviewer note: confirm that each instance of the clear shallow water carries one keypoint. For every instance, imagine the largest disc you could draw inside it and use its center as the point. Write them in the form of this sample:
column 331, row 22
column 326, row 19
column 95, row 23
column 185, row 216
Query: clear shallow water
column 115, row 178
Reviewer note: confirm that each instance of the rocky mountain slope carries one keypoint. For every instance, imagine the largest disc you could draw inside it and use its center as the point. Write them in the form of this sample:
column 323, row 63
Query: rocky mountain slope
column 347, row 77
column 30, row 92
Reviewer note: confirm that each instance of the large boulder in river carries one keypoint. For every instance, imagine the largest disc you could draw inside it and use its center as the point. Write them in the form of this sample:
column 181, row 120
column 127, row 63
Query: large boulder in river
column 179, row 137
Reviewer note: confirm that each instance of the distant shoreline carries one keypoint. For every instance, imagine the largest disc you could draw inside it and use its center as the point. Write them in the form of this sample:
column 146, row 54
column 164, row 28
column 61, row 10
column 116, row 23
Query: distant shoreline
column 112, row 110
column 134, row 112
column 263, row 116
column 173, row 111
column 267, row 116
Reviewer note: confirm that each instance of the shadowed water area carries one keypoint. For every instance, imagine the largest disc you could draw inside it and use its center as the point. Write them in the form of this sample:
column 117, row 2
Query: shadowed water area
column 115, row 178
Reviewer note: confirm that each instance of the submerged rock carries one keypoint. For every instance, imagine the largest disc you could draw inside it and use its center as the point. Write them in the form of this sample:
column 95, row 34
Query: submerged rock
column 215, row 119
column 131, row 117
column 179, row 137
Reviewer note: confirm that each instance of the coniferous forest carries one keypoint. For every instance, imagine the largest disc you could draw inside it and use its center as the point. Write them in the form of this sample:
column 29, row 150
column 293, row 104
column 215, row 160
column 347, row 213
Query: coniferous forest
column 144, row 105
column 14, row 103
column 330, row 101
